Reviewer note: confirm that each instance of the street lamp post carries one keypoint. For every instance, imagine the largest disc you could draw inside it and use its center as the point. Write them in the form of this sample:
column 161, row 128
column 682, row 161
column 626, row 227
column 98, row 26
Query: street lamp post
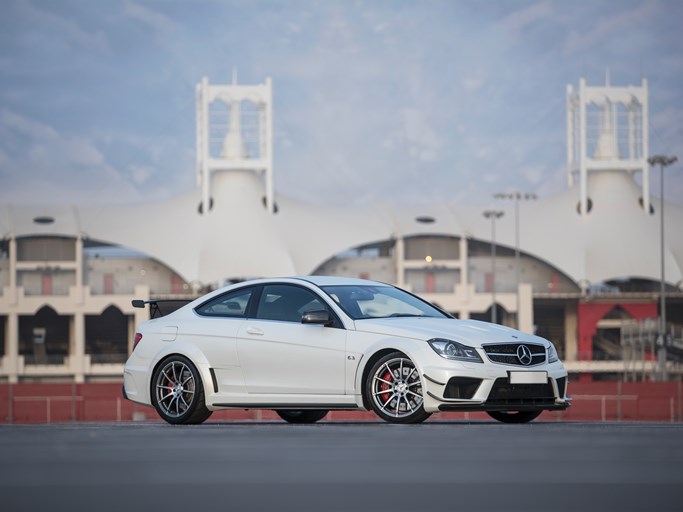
column 493, row 215
column 517, row 197
column 663, row 161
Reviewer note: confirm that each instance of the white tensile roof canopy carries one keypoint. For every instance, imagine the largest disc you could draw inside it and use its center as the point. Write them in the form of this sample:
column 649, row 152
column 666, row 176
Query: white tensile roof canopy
column 592, row 233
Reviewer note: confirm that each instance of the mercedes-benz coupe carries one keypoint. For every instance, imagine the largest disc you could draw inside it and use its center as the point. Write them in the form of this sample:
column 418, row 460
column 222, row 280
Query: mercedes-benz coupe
column 307, row 345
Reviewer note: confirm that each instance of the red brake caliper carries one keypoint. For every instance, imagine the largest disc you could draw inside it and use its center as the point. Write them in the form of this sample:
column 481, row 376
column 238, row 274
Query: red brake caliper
column 170, row 385
column 388, row 376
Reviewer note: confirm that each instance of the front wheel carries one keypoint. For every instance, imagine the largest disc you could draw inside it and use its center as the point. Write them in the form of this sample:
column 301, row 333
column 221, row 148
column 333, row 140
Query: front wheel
column 394, row 390
column 514, row 416
column 177, row 392
column 295, row 416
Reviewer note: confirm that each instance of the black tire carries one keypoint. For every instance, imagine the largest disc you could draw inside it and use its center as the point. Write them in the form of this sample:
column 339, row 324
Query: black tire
column 301, row 416
column 514, row 416
column 177, row 392
column 393, row 388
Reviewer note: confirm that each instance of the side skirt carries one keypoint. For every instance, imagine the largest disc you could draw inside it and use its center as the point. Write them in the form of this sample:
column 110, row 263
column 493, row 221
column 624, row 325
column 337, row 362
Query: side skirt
column 329, row 407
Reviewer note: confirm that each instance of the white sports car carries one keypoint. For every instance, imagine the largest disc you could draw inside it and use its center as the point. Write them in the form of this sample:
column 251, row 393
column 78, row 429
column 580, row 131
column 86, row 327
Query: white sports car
column 304, row 346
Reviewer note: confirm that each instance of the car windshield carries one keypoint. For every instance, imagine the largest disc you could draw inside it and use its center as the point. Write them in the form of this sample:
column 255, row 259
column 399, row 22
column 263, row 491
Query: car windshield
column 362, row 302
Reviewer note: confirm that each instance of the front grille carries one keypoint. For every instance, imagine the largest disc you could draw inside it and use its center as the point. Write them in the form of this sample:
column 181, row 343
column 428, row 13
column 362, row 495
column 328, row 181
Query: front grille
column 504, row 393
column 461, row 387
column 507, row 353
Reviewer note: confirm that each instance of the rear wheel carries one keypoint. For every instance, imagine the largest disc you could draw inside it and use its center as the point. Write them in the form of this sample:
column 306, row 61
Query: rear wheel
column 303, row 416
column 514, row 416
column 177, row 392
column 394, row 390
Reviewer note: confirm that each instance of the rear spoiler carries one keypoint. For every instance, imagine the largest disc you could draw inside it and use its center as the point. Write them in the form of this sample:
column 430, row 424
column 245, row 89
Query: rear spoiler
column 155, row 311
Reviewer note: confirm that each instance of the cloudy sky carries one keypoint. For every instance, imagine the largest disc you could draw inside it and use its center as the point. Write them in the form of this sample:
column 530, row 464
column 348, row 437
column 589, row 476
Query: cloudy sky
column 393, row 100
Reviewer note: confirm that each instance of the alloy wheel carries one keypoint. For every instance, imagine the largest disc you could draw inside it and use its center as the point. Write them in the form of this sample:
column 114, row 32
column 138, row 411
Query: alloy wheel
column 397, row 388
column 175, row 388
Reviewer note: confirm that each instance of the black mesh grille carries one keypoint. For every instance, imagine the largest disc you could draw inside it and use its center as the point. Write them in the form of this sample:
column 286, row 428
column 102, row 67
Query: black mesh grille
column 505, row 393
column 461, row 387
column 506, row 353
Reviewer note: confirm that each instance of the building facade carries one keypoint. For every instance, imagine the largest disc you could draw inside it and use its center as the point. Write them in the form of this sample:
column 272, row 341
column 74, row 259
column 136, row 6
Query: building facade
column 581, row 268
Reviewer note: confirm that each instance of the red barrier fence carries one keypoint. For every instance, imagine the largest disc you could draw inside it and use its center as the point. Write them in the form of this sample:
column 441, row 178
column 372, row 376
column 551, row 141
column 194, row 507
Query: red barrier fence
column 93, row 402
column 625, row 401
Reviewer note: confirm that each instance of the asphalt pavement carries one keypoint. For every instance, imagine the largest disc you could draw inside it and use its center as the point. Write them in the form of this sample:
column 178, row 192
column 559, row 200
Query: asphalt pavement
column 335, row 466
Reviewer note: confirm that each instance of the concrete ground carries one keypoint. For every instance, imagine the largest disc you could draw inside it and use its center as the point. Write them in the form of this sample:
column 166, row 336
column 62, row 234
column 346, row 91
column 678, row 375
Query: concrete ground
column 339, row 466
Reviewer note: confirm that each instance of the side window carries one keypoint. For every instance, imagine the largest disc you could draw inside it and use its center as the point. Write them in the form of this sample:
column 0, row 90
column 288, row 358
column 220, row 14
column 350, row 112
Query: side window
column 231, row 304
column 287, row 303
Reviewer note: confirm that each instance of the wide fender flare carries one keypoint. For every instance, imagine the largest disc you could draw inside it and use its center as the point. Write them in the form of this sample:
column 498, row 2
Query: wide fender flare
column 196, row 356
column 409, row 347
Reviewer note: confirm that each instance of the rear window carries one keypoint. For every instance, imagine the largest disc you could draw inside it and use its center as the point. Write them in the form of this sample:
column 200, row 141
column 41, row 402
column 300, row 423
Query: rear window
column 230, row 304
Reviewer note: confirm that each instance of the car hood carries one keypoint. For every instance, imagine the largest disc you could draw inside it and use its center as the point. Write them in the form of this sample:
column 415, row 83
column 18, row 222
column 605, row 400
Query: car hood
column 469, row 332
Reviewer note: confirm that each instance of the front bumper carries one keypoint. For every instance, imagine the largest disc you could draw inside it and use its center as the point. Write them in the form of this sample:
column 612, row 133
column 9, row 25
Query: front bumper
column 488, row 387
column 501, row 407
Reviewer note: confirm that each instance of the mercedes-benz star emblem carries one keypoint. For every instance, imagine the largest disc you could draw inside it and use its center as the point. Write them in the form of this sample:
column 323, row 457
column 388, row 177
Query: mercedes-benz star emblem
column 524, row 355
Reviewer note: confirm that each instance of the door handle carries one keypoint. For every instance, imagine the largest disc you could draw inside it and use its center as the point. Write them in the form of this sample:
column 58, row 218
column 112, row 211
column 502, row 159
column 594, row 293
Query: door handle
column 254, row 331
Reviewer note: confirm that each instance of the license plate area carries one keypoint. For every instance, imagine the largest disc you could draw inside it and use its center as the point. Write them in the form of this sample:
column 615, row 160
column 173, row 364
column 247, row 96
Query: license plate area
column 528, row 377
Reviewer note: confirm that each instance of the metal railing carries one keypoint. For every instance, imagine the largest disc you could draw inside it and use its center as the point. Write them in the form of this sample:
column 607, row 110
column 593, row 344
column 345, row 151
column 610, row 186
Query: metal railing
column 108, row 358
column 47, row 360
column 48, row 404
column 116, row 411
column 673, row 412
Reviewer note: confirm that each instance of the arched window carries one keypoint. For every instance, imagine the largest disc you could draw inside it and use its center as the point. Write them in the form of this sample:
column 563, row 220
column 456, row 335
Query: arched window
column 106, row 336
column 44, row 337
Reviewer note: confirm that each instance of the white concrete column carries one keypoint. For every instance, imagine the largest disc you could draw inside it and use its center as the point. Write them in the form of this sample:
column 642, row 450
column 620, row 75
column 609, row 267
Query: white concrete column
column 571, row 326
column 79, row 270
column 77, row 346
column 13, row 271
column 131, row 332
column 464, row 261
column 399, row 254
column 12, row 347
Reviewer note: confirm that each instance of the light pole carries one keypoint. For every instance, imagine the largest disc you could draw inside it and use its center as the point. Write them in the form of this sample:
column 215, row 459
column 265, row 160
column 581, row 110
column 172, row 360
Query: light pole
column 493, row 215
column 663, row 161
column 517, row 197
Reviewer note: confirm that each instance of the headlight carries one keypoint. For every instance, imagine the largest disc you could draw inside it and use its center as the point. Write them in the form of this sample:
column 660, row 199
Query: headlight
column 453, row 350
column 552, row 354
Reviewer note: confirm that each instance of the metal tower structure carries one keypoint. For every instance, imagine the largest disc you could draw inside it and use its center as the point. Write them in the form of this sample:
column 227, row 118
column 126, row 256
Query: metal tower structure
column 607, row 130
column 234, row 132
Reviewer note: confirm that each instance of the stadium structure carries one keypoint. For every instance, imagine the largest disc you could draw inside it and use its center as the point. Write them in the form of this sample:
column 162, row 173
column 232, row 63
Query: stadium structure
column 582, row 268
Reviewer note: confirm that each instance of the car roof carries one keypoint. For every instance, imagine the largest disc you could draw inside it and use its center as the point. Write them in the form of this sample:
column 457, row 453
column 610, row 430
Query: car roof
column 318, row 281
column 339, row 281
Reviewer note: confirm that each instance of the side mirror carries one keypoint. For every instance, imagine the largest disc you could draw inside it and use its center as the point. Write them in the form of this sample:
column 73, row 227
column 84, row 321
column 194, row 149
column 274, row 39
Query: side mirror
column 320, row 316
